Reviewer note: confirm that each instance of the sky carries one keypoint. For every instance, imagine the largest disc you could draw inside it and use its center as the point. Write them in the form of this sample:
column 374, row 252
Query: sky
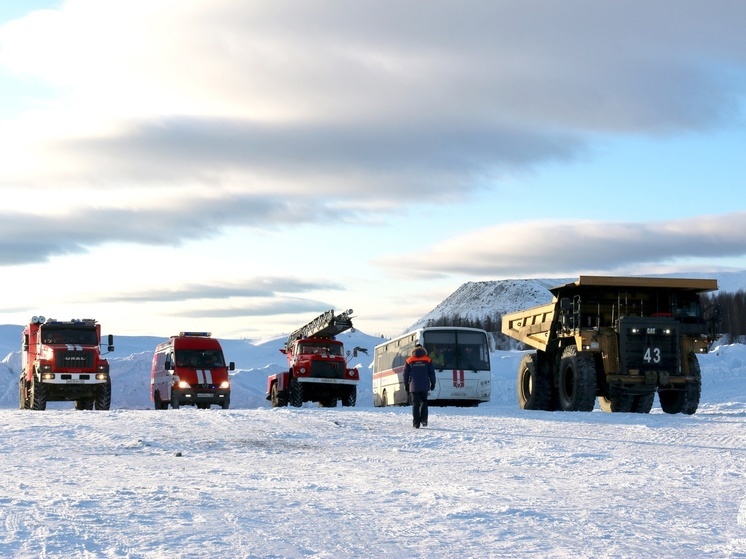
column 241, row 167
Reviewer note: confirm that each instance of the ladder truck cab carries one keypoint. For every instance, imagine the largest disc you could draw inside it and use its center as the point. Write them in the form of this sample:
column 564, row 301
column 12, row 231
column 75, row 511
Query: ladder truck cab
column 317, row 365
column 62, row 361
column 190, row 370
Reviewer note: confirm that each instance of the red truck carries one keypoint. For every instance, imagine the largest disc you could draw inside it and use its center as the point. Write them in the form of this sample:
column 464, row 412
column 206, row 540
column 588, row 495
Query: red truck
column 61, row 361
column 317, row 365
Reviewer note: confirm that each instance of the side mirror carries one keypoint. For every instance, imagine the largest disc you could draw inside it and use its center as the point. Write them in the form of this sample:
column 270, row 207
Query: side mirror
column 111, row 343
column 231, row 366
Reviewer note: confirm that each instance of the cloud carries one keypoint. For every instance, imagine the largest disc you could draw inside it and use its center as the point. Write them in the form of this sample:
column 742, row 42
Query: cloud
column 276, row 307
column 287, row 111
column 73, row 232
column 565, row 247
column 249, row 288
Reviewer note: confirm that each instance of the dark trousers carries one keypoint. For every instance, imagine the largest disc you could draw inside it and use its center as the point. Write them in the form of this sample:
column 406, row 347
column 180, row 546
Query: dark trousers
column 419, row 407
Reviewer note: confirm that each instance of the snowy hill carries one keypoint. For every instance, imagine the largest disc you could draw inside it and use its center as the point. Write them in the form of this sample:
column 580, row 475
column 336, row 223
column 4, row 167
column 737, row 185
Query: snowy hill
column 478, row 300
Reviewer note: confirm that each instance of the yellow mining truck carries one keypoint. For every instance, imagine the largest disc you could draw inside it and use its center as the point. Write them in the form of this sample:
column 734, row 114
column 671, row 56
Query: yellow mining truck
column 621, row 339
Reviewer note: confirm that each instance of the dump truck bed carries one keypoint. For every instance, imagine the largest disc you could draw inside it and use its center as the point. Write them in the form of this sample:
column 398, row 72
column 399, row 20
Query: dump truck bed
column 533, row 326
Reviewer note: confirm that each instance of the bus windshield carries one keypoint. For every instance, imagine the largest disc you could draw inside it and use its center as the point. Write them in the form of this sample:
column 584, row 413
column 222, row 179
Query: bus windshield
column 457, row 349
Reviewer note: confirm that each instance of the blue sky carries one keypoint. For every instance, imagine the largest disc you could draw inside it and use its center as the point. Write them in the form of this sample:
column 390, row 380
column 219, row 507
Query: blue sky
column 243, row 166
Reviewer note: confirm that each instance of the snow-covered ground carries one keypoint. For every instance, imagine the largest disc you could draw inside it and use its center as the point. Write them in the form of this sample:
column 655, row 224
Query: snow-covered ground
column 253, row 481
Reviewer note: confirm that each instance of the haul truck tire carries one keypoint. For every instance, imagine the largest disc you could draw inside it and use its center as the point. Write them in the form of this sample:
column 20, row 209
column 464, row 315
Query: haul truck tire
column 693, row 390
column 685, row 400
column 534, row 386
column 577, row 380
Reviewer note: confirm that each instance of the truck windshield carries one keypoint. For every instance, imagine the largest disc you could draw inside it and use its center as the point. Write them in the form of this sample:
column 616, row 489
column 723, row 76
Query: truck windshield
column 320, row 347
column 72, row 336
column 199, row 358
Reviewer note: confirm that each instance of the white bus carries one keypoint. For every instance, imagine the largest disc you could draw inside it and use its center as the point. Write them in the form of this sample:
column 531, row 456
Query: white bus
column 462, row 366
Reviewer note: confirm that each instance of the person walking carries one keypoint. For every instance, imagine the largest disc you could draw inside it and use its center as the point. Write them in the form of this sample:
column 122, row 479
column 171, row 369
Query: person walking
column 419, row 376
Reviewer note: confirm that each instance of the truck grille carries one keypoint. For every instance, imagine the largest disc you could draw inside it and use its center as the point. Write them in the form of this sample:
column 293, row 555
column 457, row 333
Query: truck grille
column 649, row 344
column 327, row 369
column 74, row 359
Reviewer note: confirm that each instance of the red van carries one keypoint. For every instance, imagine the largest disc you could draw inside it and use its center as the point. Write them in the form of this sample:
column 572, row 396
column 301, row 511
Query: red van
column 189, row 369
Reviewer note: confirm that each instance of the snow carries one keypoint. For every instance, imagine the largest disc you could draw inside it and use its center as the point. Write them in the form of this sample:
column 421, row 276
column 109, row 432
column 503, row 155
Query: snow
column 252, row 481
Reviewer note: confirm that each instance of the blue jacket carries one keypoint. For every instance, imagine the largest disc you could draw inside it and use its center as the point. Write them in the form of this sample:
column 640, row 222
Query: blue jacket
column 419, row 372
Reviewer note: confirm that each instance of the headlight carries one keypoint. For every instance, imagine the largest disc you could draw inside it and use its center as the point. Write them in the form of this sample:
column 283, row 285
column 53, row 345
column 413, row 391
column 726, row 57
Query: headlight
column 102, row 376
column 225, row 385
column 184, row 384
column 47, row 376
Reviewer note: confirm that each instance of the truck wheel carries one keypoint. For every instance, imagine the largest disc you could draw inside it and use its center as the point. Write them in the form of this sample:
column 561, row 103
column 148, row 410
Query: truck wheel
column 643, row 403
column 84, row 404
column 37, row 396
column 693, row 390
column 22, row 393
column 672, row 401
column 577, row 380
column 534, row 385
column 621, row 403
column 296, row 393
column 102, row 396
column 350, row 398
column 278, row 399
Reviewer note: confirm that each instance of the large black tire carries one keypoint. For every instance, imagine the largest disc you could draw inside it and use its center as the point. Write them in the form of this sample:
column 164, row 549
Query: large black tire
column 279, row 399
column 577, row 380
column 350, row 398
column 643, row 403
column 22, row 393
column 37, row 395
column 102, row 396
column 158, row 401
column 693, row 390
column 627, row 403
column 84, row 404
column 686, row 399
column 296, row 393
column 534, row 386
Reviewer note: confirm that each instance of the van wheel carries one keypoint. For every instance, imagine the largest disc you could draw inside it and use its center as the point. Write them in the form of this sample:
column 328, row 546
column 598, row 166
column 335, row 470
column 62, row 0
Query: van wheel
column 158, row 402
column 174, row 403
column 225, row 404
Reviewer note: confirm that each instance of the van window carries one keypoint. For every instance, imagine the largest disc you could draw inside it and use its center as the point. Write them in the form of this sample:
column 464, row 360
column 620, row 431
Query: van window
column 199, row 359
